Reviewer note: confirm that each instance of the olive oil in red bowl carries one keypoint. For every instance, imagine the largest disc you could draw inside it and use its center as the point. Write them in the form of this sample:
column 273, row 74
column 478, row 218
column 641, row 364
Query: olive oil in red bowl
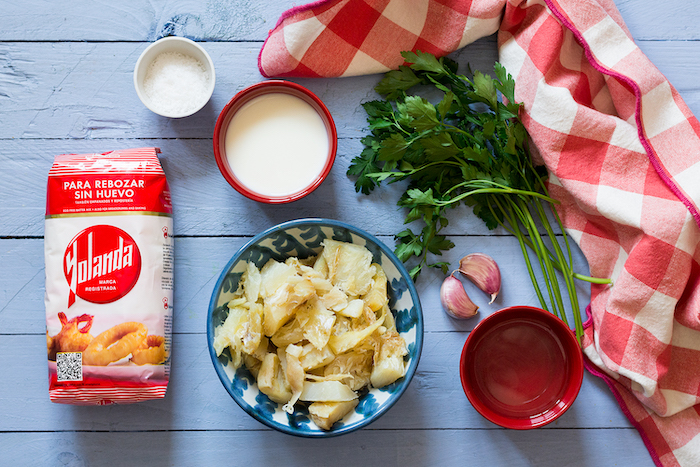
column 521, row 367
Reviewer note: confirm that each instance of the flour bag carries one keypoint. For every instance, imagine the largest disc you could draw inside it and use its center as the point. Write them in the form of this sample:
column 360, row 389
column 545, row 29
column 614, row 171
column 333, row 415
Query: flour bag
column 109, row 277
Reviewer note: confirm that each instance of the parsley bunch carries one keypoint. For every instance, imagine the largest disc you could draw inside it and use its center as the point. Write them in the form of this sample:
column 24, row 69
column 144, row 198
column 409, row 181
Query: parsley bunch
column 470, row 148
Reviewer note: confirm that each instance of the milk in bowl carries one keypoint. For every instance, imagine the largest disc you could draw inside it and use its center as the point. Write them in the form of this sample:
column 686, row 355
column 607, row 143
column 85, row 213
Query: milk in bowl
column 275, row 143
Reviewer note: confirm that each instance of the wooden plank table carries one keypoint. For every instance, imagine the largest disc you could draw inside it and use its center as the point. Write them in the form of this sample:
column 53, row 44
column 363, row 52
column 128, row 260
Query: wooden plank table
column 66, row 86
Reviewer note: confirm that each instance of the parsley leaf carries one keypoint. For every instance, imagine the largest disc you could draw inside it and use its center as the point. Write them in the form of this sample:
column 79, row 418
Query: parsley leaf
column 485, row 89
column 422, row 113
column 421, row 61
column 360, row 167
column 393, row 148
column 396, row 82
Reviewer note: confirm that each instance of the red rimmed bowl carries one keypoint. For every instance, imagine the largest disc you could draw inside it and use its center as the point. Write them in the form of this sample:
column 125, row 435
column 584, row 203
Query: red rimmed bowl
column 275, row 142
column 521, row 367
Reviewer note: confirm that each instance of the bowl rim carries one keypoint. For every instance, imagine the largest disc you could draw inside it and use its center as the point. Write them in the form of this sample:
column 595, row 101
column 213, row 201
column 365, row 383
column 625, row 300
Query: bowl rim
column 159, row 43
column 251, row 92
column 410, row 371
column 574, row 382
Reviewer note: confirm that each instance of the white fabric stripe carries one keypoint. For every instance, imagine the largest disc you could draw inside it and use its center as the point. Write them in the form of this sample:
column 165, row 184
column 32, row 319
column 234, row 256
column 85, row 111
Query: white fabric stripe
column 512, row 57
column 411, row 18
column 363, row 64
column 657, row 324
column 299, row 36
column 623, row 207
column 684, row 337
column 659, row 110
column 608, row 42
column 477, row 28
column 559, row 117
column 677, row 401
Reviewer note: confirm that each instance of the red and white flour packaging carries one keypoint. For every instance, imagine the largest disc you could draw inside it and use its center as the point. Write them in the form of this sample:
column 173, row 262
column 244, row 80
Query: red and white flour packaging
column 109, row 255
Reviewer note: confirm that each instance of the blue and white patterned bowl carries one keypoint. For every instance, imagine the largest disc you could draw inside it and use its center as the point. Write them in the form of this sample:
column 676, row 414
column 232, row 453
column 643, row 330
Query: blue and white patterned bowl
column 302, row 238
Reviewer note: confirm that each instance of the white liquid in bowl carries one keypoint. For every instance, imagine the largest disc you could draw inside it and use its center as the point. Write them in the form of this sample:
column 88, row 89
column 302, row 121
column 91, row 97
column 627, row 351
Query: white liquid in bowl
column 276, row 144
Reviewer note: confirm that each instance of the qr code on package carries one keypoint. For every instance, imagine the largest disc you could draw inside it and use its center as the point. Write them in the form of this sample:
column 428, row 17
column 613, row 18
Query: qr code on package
column 69, row 366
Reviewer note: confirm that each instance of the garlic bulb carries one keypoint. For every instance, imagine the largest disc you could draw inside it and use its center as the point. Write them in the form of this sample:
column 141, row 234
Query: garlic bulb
column 483, row 271
column 455, row 300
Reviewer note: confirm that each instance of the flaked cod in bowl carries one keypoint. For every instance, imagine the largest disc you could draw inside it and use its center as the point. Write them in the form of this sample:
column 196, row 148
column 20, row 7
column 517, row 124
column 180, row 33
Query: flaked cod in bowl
column 315, row 328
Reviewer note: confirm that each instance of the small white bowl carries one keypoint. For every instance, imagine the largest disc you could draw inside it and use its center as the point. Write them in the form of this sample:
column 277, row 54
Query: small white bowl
column 172, row 44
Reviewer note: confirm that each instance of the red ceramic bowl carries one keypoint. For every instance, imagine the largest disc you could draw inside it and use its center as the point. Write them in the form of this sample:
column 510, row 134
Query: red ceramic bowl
column 245, row 96
column 521, row 367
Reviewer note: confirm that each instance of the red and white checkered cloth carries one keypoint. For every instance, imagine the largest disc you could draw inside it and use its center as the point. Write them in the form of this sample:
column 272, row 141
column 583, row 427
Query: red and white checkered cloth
column 623, row 152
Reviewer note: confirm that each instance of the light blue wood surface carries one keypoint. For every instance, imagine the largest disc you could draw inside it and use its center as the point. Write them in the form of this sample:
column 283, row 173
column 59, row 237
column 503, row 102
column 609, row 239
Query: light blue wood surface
column 66, row 86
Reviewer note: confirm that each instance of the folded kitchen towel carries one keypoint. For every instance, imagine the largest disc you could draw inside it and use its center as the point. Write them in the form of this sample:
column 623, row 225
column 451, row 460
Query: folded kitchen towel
column 623, row 153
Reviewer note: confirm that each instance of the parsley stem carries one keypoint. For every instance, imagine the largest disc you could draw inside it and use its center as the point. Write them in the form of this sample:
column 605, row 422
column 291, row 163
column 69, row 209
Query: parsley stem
column 550, row 279
column 593, row 280
column 575, row 275
column 566, row 268
column 546, row 259
column 398, row 125
column 506, row 190
column 450, row 127
column 521, row 241
column 400, row 175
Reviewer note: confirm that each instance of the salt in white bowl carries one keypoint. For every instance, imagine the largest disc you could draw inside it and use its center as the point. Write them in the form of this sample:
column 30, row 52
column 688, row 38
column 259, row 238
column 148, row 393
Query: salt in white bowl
column 173, row 86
